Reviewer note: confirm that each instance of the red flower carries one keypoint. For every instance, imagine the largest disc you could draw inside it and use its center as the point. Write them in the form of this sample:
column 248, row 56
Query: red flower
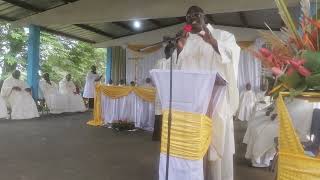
column 187, row 28
column 303, row 71
column 265, row 52
column 298, row 65
column 276, row 71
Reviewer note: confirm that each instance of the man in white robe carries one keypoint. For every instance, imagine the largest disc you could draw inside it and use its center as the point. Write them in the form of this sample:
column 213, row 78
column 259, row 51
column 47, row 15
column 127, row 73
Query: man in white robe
column 209, row 49
column 3, row 105
column 75, row 101
column 261, row 134
column 18, row 97
column 247, row 102
column 3, row 108
column 56, row 102
column 89, row 87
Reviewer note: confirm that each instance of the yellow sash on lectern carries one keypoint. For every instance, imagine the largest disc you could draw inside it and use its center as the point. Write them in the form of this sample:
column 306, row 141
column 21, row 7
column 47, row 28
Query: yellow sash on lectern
column 190, row 135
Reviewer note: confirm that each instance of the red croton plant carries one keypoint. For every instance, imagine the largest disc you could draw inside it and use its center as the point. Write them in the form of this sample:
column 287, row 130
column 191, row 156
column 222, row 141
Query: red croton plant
column 293, row 54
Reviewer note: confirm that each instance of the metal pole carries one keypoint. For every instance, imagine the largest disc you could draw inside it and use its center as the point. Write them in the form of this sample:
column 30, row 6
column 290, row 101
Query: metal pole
column 169, row 121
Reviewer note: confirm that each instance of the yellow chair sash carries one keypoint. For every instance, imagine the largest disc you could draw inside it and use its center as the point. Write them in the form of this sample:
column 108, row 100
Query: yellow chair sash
column 115, row 92
column 293, row 163
column 190, row 135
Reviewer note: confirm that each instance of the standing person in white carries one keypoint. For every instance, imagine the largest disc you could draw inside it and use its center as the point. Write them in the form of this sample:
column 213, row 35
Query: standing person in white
column 247, row 102
column 3, row 105
column 18, row 97
column 56, row 102
column 89, row 87
column 75, row 101
column 210, row 49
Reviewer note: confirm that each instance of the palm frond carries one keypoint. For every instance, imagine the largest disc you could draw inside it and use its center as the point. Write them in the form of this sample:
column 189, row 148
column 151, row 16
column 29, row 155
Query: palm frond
column 287, row 19
column 305, row 7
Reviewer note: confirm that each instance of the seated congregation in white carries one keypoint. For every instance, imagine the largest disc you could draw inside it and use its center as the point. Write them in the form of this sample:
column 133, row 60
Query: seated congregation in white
column 16, row 101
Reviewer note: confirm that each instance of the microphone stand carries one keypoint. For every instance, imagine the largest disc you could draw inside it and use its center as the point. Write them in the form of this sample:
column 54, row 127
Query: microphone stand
column 169, row 120
column 170, row 102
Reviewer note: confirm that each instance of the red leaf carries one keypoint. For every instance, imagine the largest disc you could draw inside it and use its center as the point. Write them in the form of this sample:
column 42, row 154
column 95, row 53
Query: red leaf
column 303, row 71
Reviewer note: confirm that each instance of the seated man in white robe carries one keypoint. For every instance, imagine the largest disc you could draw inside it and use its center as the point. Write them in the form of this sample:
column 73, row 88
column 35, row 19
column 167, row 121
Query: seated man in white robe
column 260, row 141
column 3, row 105
column 18, row 97
column 3, row 108
column 56, row 102
column 247, row 102
column 75, row 101
column 148, row 83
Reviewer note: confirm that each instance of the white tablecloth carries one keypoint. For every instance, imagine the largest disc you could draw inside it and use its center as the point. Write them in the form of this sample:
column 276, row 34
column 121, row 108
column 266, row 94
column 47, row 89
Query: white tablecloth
column 129, row 108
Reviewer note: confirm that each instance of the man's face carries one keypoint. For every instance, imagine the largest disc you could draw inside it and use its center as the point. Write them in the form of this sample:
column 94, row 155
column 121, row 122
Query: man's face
column 195, row 18
column 68, row 77
column 248, row 86
column 16, row 74
column 46, row 77
column 93, row 68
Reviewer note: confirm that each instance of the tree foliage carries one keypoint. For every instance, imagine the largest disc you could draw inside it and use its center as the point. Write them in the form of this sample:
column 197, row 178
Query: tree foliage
column 58, row 55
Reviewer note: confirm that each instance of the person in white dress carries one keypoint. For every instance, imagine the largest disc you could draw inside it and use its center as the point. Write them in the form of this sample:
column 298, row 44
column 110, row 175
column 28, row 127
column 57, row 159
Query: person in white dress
column 17, row 94
column 75, row 101
column 56, row 102
column 3, row 105
column 247, row 102
column 89, row 87
column 210, row 49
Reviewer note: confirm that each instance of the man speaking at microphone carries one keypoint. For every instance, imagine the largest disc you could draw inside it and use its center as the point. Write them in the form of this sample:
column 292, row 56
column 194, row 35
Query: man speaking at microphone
column 210, row 49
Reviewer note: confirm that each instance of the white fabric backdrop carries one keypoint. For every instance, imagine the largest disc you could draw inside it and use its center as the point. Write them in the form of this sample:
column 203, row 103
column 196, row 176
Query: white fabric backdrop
column 250, row 68
column 144, row 65
column 129, row 108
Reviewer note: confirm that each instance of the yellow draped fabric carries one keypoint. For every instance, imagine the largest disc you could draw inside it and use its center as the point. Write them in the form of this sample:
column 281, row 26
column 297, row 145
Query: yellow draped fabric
column 115, row 92
column 137, row 47
column 190, row 135
column 244, row 44
column 293, row 163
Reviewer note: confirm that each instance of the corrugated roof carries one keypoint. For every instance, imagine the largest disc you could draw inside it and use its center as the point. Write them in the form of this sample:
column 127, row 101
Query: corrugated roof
column 11, row 10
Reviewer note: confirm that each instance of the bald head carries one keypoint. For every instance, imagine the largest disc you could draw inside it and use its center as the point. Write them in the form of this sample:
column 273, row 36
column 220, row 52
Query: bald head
column 46, row 76
column 193, row 9
column 68, row 77
column 196, row 18
column 16, row 74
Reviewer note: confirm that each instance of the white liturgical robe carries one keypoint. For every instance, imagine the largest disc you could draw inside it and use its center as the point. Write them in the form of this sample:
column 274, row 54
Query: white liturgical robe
column 56, row 102
column 3, row 108
column 75, row 101
column 198, row 55
column 89, row 87
column 261, row 132
column 21, row 102
column 247, row 102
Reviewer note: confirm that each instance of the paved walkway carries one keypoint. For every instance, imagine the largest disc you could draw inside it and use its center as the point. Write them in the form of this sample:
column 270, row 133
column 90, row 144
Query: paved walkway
column 63, row 147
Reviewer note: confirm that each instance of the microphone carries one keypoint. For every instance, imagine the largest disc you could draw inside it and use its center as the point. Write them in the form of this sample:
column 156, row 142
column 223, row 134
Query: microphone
column 186, row 29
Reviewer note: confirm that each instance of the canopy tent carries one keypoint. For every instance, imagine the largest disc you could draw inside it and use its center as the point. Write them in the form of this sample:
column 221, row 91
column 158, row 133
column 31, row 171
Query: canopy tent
column 110, row 23
column 99, row 22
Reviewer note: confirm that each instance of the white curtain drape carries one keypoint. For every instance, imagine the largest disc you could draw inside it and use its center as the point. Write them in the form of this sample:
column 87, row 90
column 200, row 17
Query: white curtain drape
column 129, row 108
column 250, row 68
column 144, row 65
